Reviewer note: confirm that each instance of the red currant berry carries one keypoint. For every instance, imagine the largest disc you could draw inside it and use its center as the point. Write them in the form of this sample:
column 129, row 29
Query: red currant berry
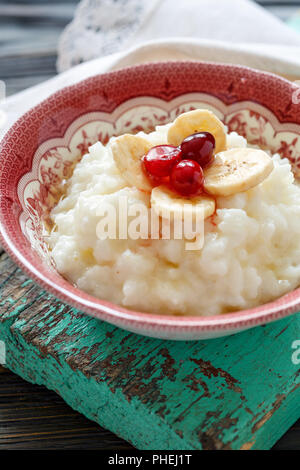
column 199, row 147
column 158, row 180
column 187, row 178
column 160, row 160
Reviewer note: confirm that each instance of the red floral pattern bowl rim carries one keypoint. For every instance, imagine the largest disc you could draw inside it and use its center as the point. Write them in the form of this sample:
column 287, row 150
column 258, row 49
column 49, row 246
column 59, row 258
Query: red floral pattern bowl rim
column 141, row 321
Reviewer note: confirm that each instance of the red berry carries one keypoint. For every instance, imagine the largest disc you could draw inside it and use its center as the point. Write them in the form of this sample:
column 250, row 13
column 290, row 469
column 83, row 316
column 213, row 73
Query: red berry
column 158, row 180
column 160, row 160
column 187, row 178
column 199, row 147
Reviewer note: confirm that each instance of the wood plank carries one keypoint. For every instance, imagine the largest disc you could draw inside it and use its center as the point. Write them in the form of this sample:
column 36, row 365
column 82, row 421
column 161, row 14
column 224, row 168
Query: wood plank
column 284, row 12
column 28, row 38
column 24, row 406
column 291, row 440
column 15, row 85
column 235, row 392
column 268, row 3
column 61, row 11
column 32, row 417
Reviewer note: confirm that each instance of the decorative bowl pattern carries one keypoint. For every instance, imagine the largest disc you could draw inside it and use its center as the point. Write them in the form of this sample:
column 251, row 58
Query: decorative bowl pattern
column 40, row 150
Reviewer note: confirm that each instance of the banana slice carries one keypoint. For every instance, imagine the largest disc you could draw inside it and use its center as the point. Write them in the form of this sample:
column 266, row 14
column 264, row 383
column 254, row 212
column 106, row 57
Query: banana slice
column 237, row 170
column 165, row 202
column 127, row 151
column 199, row 120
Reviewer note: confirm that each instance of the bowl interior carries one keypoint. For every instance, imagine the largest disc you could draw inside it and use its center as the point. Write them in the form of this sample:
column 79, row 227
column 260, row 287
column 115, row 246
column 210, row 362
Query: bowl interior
column 40, row 150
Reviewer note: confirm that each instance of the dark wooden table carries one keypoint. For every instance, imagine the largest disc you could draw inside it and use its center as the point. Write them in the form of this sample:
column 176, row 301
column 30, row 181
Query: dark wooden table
column 32, row 417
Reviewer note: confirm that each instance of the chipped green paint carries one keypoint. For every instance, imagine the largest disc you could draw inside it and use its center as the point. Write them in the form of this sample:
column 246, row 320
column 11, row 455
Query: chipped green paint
column 26, row 283
column 229, row 393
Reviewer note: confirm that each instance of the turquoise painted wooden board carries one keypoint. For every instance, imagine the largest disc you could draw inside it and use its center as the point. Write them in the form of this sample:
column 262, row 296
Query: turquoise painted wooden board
column 239, row 392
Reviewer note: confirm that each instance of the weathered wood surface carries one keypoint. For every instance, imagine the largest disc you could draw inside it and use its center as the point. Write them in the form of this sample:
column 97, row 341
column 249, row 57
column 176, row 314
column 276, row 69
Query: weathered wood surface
column 240, row 392
column 29, row 31
column 32, row 416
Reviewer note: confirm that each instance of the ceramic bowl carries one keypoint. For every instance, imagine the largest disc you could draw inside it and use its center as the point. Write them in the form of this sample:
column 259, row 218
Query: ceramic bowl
column 40, row 149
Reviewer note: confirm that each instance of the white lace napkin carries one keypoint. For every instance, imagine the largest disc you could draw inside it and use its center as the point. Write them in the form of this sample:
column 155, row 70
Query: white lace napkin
column 102, row 27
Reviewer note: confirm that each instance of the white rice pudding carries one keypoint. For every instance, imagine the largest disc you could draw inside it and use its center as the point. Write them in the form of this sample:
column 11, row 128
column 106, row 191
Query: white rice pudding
column 251, row 252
